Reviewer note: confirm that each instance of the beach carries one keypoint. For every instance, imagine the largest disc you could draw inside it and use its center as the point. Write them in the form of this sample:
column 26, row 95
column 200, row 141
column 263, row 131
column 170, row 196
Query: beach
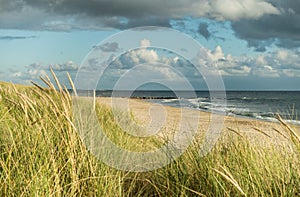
column 170, row 119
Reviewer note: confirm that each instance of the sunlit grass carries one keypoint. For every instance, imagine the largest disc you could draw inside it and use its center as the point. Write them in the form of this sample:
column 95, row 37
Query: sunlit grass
column 41, row 154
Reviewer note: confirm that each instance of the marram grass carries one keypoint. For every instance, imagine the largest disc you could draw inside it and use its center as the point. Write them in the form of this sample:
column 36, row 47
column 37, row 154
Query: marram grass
column 41, row 154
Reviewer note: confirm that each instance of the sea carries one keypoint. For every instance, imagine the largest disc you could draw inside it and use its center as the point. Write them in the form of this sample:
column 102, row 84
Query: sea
column 262, row 105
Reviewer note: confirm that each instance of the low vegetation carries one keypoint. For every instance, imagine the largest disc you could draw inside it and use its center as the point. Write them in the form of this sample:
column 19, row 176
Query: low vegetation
column 41, row 154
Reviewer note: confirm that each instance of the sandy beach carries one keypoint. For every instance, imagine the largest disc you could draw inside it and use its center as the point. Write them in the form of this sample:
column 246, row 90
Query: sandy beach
column 169, row 119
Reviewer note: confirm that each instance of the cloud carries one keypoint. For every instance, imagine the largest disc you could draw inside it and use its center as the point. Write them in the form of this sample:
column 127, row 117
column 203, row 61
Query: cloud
column 236, row 9
column 269, row 65
column 226, row 63
column 65, row 15
column 145, row 43
column 17, row 15
column 108, row 47
column 35, row 70
column 148, row 64
column 203, row 30
column 141, row 56
column 17, row 74
column 68, row 66
column 280, row 63
column 16, row 37
column 265, row 72
column 291, row 73
column 282, row 30
column 32, row 73
column 236, row 71
column 282, row 59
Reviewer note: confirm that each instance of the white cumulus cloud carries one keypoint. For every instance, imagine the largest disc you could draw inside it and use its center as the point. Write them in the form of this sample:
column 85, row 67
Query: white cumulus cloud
column 242, row 9
column 145, row 43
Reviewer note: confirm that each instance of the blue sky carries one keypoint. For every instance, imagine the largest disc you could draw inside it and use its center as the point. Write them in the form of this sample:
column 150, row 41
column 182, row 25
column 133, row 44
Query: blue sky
column 255, row 44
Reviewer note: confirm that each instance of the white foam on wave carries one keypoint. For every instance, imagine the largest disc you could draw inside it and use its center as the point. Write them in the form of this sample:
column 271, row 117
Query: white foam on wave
column 295, row 122
column 169, row 100
column 204, row 104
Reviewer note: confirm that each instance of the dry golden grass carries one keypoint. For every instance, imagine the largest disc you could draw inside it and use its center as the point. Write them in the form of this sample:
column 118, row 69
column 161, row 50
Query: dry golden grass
column 41, row 154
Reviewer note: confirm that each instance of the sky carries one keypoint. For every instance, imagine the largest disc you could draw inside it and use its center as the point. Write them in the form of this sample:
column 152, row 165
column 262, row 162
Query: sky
column 253, row 44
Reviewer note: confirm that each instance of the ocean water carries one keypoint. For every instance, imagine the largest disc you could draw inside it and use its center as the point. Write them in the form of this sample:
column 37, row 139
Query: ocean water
column 254, row 104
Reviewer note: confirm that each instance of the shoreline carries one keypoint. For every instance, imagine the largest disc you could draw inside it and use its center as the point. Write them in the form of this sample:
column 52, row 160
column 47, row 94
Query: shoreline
column 250, row 127
column 231, row 114
column 268, row 119
column 250, row 105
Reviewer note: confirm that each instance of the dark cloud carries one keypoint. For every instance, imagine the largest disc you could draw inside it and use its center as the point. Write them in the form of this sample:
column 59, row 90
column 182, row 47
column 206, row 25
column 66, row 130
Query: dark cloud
column 16, row 37
column 288, row 43
column 64, row 15
column 203, row 30
column 260, row 23
column 143, row 8
column 11, row 5
column 111, row 8
column 283, row 29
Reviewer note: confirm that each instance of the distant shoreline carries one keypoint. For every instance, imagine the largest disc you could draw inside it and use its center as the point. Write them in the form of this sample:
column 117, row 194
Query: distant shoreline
column 260, row 105
column 247, row 125
column 167, row 94
column 168, row 100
